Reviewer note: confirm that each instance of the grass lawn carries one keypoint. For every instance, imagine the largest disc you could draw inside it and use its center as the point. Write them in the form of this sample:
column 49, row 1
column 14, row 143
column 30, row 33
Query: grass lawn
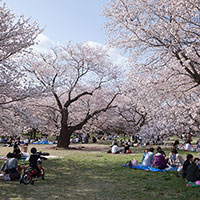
column 96, row 175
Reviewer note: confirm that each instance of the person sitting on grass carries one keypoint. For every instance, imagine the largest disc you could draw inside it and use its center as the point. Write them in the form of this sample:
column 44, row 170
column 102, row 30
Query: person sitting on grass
column 159, row 149
column 160, row 161
column 148, row 160
column 16, row 151
column 179, row 160
column 126, row 148
column 175, row 144
column 10, row 168
column 198, row 144
column 172, row 157
column 115, row 148
column 193, row 171
column 145, row 153
column 24, row 154
column 33, row 160
column 175, row 159
column 188, row 161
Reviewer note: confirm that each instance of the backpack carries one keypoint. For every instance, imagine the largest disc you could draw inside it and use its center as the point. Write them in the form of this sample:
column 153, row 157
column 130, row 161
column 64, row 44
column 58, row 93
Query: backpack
column 128, row 164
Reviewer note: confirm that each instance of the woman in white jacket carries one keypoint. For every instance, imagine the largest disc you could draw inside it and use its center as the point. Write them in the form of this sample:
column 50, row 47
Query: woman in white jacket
column 148, row 159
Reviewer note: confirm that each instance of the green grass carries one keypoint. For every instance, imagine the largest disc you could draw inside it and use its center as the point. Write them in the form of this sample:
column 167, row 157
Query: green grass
column 98, row 176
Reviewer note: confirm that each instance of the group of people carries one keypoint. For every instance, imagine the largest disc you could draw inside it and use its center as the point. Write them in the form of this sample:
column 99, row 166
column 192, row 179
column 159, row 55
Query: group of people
column 10, row 168
column 115, row 149
column 20, row 153
column 159, row 160
column 189, row 167
column 10, row 141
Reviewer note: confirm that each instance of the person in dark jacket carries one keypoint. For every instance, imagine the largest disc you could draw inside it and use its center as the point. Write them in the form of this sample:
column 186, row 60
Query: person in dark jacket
column 188, row 161
column 34, row 158
column 16, row 152
column 126, row 147
column 193, row 171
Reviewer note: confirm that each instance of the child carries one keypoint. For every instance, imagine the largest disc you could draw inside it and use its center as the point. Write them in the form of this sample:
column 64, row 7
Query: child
column 33, row 160
column 187, row 162
column 172, row 157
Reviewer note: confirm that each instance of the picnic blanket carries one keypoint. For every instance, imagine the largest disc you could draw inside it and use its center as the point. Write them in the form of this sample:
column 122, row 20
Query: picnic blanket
column 53, row 157
column 48, row 157
column 44, row 142
column 3, row 157
column 152, row 169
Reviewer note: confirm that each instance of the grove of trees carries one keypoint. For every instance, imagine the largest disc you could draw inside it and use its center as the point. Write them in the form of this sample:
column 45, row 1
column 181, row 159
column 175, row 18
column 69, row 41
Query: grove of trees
column 76, row 87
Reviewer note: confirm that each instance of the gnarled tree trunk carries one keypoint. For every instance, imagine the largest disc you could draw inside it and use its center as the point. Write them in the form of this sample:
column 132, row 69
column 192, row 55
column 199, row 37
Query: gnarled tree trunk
column 64, row 137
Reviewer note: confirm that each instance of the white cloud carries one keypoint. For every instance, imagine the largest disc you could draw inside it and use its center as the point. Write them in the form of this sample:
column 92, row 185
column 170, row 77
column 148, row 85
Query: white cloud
column 94, row 44
column 114, row 54
column 116, row 57
column 43, row 43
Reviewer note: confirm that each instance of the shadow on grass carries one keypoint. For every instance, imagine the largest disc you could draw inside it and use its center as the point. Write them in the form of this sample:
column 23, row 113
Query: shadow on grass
column 99, row 176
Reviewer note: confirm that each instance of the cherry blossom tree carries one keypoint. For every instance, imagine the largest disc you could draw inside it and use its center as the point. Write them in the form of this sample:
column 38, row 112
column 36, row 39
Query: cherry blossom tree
column 76, row 76
column 157, row 32
column 41, row 117
column 169, row 112
column 127, row 118
column 162, row 41
column 17, row 34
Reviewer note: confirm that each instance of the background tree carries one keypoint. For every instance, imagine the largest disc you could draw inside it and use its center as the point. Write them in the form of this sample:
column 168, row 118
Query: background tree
column 162, row 41
column 75, row 75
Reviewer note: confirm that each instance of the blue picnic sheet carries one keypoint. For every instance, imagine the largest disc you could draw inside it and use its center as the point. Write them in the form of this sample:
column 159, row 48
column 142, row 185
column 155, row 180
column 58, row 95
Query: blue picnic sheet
column 153, row 169
column 44, row 142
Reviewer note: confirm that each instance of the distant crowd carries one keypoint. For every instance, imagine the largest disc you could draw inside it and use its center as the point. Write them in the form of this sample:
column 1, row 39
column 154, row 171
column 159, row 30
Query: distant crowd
column 12, row 140
column 132, row 141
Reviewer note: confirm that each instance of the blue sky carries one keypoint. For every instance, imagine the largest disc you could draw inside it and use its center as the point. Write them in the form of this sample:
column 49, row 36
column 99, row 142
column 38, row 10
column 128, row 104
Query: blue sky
column 64, row 20
column 67, row 20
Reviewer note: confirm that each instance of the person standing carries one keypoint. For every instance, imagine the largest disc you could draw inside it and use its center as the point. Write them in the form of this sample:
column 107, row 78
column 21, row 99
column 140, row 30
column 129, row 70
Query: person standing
column 189, row 138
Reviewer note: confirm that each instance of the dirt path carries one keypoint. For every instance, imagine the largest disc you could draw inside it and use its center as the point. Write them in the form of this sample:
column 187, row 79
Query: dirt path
column 51, row 148
column 91, row 147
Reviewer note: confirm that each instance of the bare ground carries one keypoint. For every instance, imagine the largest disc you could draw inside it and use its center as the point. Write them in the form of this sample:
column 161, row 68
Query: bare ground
column 53, row 150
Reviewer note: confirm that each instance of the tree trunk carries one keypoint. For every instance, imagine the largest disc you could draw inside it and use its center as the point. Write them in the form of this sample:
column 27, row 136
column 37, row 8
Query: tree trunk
column 65, row 132
column 34, row 133
column 64, row 137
